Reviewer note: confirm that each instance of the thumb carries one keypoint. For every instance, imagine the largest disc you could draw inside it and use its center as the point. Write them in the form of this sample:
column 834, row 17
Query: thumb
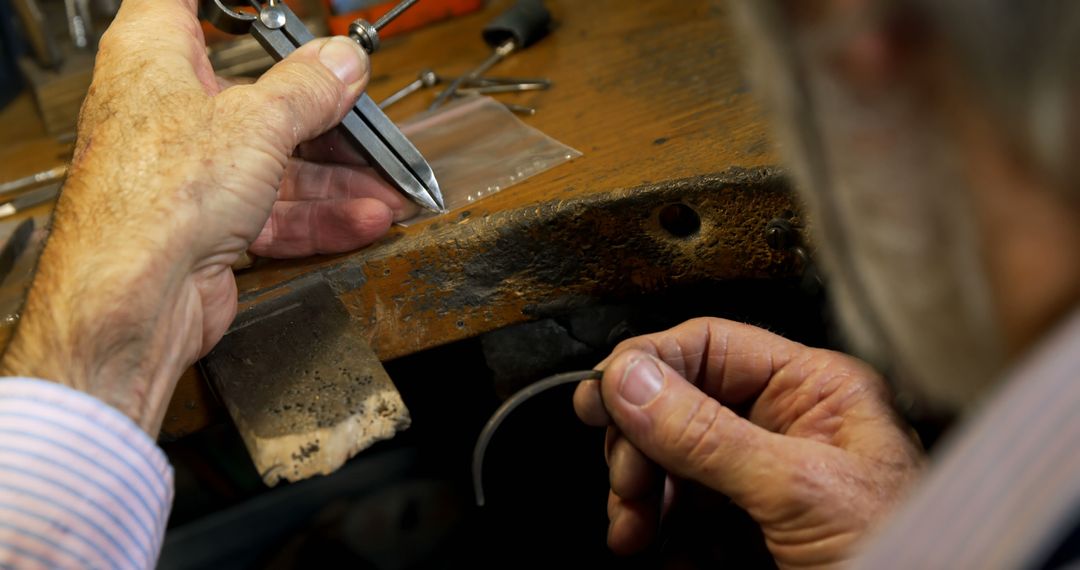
column 687, row 432
column 308, row 92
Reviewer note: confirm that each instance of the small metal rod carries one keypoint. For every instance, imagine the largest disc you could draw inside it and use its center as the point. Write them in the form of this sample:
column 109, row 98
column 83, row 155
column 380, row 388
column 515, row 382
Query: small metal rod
column 393, row 13
column 506, row 88
column 426, row 78
column 514, row 108
column 505, row 49
column 508, row 406
column 49, row 175
column 490, row 81
column 520, row 109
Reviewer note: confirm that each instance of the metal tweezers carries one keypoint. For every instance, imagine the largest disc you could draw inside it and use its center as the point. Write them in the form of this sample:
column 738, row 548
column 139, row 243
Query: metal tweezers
column 281, row 32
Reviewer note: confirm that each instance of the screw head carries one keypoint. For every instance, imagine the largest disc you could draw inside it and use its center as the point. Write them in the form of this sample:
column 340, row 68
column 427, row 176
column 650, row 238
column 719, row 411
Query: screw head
column 365, row 34
column 272, row 17
column 428, row 78
column 779, row 234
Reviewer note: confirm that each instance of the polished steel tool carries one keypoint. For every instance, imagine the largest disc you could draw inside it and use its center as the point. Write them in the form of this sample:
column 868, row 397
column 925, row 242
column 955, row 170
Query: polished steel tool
column 281, row 32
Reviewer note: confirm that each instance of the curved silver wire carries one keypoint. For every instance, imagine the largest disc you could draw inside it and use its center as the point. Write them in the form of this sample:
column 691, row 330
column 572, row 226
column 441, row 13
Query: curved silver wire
column 508, row 406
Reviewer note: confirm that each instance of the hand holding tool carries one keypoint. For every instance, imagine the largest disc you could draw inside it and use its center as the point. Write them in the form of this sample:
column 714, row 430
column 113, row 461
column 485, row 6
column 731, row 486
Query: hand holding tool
column 281, row 32
column 526, row 22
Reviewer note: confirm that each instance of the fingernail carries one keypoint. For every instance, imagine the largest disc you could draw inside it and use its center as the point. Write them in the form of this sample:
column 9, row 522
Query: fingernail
column 641, row 382
column 345, row 59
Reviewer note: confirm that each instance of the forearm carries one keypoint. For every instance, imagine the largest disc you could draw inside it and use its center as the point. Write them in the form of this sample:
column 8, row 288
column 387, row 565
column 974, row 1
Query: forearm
column 100, row 319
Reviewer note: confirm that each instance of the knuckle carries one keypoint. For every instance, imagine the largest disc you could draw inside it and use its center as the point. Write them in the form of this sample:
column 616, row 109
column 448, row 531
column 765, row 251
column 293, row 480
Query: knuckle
column 320, row 86
column 695, row 439
column 628, row 344
column 631, row 349
column 303, row 93
column 700, row 322
column 112, row 40
column 807, row 481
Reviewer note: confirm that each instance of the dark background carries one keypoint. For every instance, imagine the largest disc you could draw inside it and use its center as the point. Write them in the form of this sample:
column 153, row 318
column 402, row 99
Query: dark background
column 408, row 502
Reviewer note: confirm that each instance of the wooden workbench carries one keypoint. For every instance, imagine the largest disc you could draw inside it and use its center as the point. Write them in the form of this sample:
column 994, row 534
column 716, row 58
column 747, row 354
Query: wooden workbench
column 675, row 186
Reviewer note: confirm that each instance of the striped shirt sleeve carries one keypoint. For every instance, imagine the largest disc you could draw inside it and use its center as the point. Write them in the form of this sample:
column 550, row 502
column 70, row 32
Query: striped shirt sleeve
column 81, row 486
column 1005, row 491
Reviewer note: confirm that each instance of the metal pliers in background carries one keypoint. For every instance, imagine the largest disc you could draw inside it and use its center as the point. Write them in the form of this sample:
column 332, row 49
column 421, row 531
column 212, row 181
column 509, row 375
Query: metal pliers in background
column 281, row 32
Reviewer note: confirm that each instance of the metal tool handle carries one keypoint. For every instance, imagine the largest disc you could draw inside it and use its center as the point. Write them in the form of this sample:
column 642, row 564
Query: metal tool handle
column 526, row 22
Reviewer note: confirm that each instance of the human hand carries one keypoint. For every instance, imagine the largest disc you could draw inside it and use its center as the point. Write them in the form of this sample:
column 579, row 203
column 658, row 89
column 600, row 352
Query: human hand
column 817, row 460
column 175, row 174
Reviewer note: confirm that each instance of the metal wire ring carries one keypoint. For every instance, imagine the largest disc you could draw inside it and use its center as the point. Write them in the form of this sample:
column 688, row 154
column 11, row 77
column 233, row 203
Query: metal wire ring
column 508, row 406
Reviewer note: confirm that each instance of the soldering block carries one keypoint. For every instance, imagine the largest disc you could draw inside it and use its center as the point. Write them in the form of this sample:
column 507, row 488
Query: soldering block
column 302, row 385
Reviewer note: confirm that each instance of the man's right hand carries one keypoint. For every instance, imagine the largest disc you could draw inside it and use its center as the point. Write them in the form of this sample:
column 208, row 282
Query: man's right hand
column 819, row 457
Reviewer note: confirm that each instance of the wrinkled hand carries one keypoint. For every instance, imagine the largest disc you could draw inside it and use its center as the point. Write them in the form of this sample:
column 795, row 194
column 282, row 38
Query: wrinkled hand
column 818, row 459
column 175, row 175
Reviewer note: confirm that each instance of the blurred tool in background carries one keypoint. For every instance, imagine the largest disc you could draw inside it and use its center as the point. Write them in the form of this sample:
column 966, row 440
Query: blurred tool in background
column 344, row 12
column 37, row 34
column 14, row 247
column 29, row 199
column 80, row 23
column 478, row 86
column 10, row 82
column 525, row 23
column 60, row 38
column 16, row 186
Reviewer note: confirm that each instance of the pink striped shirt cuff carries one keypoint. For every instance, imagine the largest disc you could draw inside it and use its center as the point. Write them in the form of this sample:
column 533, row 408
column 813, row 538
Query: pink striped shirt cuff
column 80, row 484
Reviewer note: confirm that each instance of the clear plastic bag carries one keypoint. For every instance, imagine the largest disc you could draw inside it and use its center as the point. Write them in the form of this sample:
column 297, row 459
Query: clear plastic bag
column 477, row 147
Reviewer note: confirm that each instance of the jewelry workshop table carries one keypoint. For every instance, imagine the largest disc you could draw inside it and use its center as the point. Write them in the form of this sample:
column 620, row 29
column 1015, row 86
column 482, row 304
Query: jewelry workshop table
column 676, row 186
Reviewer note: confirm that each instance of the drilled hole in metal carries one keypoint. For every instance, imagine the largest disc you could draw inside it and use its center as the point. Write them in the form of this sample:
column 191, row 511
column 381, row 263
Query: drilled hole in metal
column 680, row 220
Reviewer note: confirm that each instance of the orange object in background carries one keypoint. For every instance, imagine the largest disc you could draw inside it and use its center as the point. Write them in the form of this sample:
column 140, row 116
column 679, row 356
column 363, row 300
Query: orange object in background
column 419, row 15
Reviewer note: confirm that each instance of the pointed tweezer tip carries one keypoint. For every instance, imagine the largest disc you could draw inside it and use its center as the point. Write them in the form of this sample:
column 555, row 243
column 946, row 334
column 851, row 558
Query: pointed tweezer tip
column 429, row 201
column 435, row 196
